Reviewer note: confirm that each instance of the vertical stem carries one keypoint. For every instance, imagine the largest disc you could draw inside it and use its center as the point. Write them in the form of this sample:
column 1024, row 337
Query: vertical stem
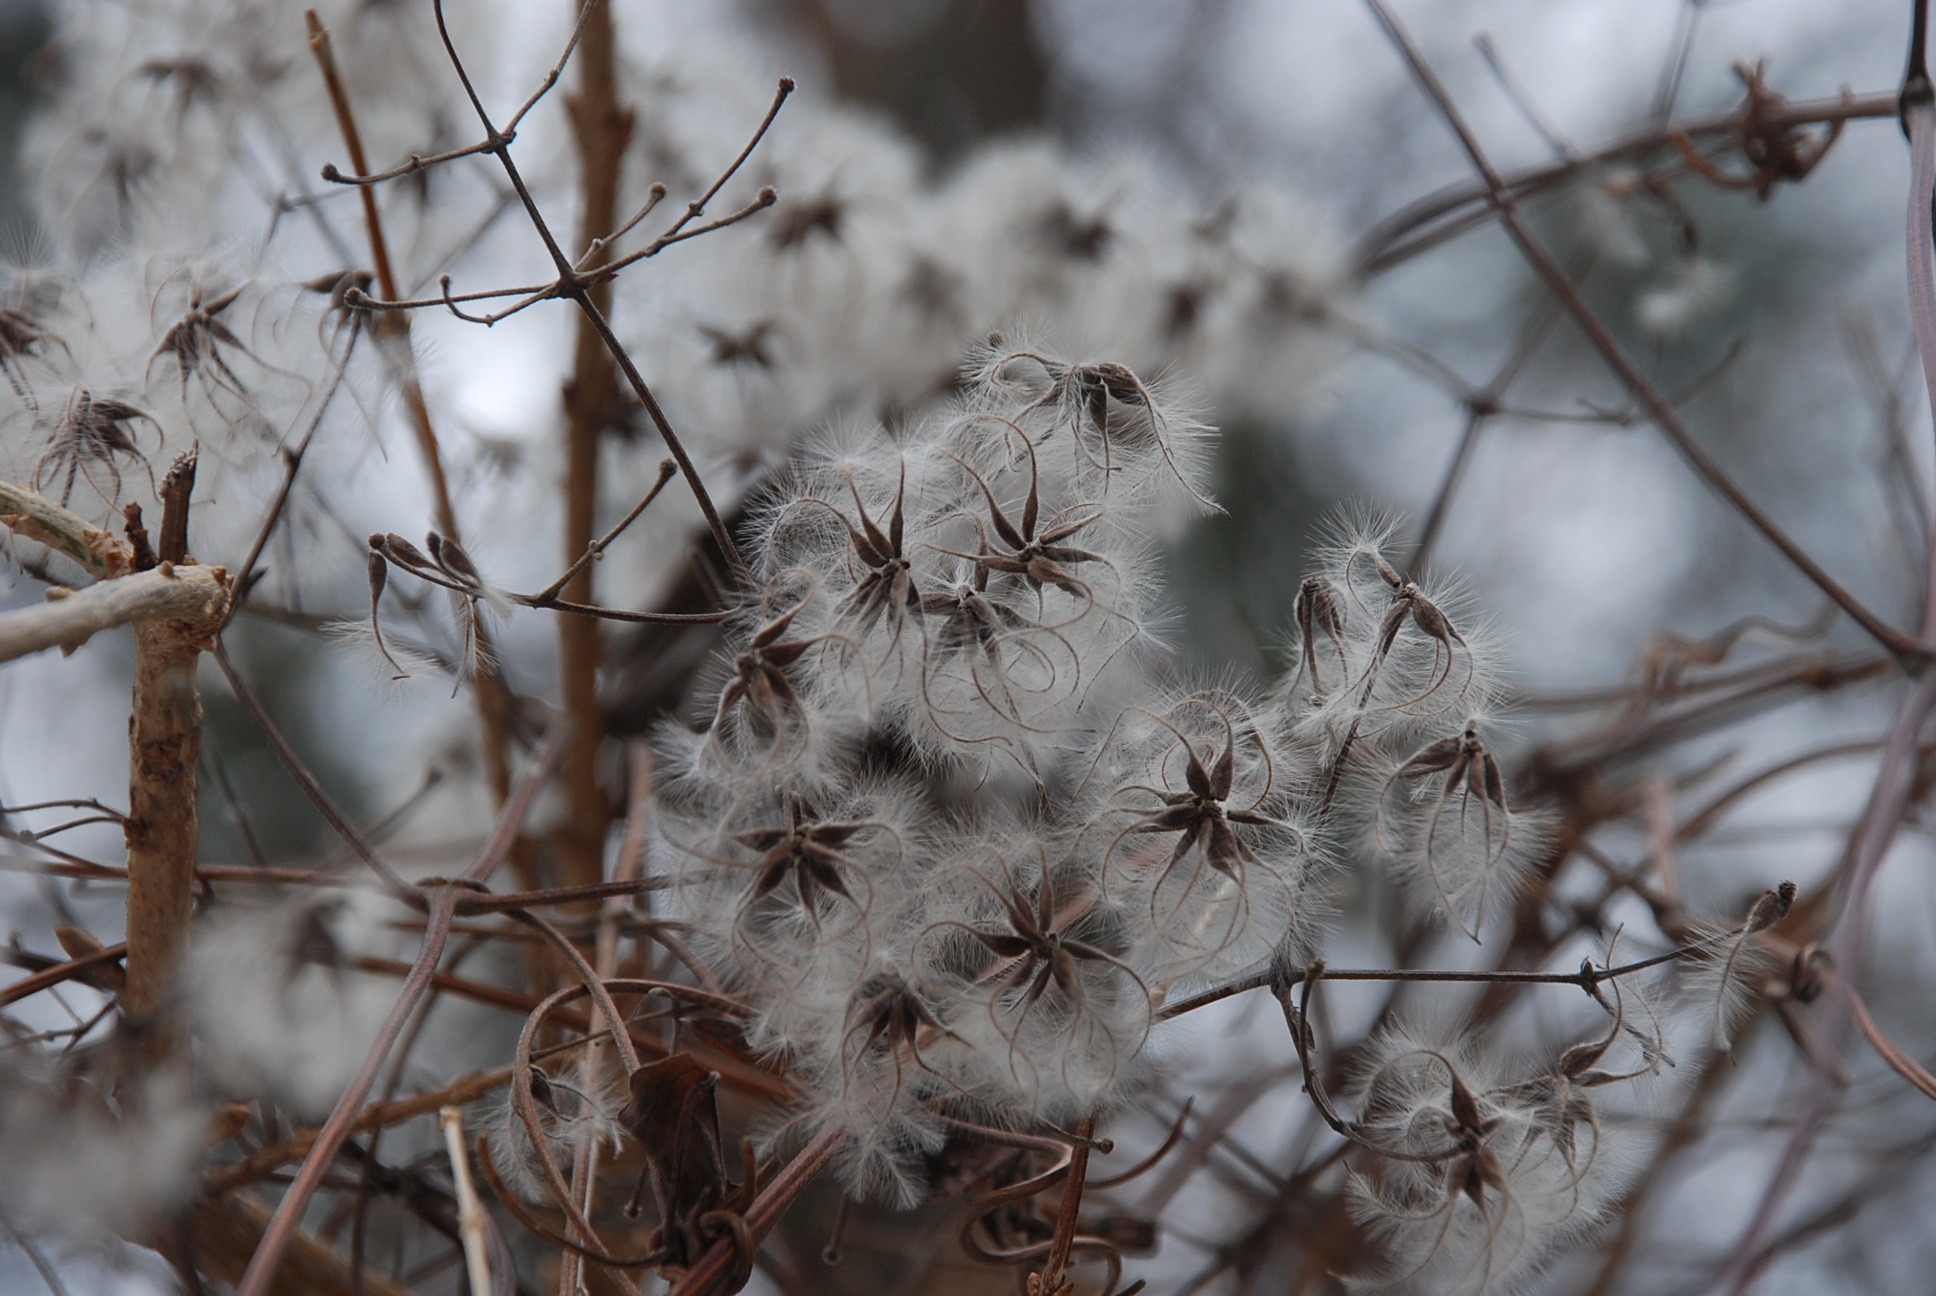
column 164, row 752
column 164, row 746
column 470, row 1211
column 1051, row 1277
column 601, row 129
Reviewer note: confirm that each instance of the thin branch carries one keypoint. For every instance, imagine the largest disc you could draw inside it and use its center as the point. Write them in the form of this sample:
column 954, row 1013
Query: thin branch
column 416, row 163
column 375, row 1116
column 576, row 289
column 60, row 972
column 301, row 773
column 1431, row 220
column 1657, row 404
column 292, row 465
column 492, row 698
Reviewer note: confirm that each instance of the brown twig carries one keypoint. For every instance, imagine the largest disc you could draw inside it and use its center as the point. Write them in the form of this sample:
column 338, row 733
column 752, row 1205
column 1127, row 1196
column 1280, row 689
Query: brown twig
column 601, row 128
column 55, row 975
column 1430, row 221
column 306, row 780
column 1053, row 1275
column 377, row 1115
column 1899, row 1062
column 705, row 1276
column 576, row 287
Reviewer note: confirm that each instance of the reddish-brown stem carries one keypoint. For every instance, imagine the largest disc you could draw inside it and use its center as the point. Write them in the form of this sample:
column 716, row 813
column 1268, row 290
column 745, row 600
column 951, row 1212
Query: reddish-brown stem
column 601, row 129
column 704, row 1277
column 60, row 972
column 1049, row 1281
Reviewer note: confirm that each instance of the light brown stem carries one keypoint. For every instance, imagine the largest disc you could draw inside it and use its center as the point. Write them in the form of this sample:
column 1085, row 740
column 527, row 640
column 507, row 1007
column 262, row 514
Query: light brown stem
column 470, row 1211
column 38, row 518
column 162, row 827
column 601, row 128
column 69, row 617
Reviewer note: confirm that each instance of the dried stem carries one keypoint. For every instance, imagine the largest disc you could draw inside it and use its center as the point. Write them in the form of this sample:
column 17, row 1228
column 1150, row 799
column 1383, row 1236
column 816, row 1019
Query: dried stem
column 53, row 976
column 470, row 1211
column 443, row 904
column 601, row 128
column 1895, row 781
column 162, row 827
column 704, row 1277
column 1425, row 224
column 29, row 514
column 1055, row 1269
column 378, row 1115
column 575, row 287
column 70, row 617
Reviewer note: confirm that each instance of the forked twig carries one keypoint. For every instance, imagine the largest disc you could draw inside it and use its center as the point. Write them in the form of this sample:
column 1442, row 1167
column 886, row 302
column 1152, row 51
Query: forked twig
column 573, row 284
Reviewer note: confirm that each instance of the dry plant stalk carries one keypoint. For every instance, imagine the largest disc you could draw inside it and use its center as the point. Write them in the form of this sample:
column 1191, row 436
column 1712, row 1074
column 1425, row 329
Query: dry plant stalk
column 163, row 826
column 601, row 129
column 470, row 1211
column 189, row 593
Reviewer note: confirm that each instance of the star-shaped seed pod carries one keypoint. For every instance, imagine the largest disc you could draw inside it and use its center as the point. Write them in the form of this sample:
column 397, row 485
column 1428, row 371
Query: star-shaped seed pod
column 1475, row 1167
column 1036, row 940
column 806, row 850
column 888, row 587
column 1201, row 813
column 1319, row 611
column 760, row 672
column 92, row 431
column 1471, row 774
column 1408, row 602
column 195, row 341
column 1038, row 559
column 885, row 1015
